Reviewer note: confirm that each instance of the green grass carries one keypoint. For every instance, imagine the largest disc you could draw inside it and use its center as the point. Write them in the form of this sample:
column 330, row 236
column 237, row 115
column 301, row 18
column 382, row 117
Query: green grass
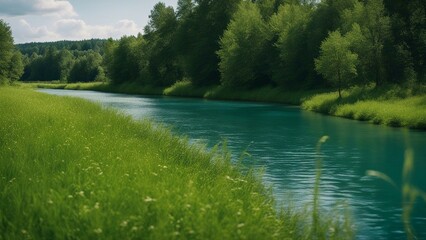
column 72, row 170
column 391, row 105
column 185, row 89
column 265, row 94
column 129, row 88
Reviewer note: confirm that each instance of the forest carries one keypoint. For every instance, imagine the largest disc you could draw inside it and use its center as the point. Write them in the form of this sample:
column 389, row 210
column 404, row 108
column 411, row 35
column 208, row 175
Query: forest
column 286, row 44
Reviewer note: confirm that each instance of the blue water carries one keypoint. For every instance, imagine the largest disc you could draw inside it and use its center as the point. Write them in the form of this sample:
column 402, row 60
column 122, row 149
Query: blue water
column 282, row 140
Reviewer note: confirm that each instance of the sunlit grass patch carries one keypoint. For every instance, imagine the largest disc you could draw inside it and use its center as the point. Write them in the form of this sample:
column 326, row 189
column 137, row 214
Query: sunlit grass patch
column 185, row 89
column 392, row 106
column 264, row 94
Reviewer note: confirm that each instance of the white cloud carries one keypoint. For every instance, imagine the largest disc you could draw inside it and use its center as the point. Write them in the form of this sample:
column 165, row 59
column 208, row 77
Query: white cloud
column 60, row 8
column 24, row 30
column 125, row 27
column 71, row 29
column 77, row 29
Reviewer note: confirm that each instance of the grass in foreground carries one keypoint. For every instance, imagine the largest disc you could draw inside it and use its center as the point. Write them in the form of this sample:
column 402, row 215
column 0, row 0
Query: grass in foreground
column 72, row 170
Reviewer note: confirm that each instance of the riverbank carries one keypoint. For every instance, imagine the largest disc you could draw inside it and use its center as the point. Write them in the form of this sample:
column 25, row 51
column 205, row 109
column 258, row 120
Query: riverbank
column 389, row 105
column 71, row 169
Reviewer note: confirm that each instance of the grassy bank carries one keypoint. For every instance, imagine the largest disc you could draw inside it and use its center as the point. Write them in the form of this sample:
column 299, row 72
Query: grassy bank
column 388, row 105
column 129, row 88
column 265, row 94
column 72, row 170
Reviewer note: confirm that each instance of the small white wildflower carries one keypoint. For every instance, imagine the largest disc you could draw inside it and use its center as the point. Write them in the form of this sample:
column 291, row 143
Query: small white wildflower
column 81, row 193
column 240, row 225
column 85, row 209
column 124, row 224
column 96, row 205
column 149, row 199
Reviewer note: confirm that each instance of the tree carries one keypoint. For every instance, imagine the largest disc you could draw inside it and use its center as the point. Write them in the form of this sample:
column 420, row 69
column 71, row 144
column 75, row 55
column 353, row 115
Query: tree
column 161, row 68
column 199, row 36
column 16, row 68
column 407, row 53
column 289, row 25
column 375, row 27
column 241, row 47
column 336, row 62
column 123, row 60
column 6, row 52
column 66, row 62
column 184, row 8
column 87, row 68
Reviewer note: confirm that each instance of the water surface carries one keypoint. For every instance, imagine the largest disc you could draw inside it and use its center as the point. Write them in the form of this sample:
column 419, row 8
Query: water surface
column 283, row 139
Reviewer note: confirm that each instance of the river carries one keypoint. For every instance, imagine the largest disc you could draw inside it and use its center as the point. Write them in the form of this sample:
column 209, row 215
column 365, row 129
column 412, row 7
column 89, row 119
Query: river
column 282, row 140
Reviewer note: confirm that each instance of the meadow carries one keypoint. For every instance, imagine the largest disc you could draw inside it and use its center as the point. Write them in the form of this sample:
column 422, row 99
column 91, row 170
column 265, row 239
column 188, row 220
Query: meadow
column 70, row 169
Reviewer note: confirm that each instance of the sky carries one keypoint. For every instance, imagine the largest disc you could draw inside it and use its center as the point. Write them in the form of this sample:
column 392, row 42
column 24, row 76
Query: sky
column 53, row 20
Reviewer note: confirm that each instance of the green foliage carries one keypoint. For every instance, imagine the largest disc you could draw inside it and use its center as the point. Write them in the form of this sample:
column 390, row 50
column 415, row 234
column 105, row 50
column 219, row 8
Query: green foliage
column 336, row 62
column 239, row 67
column 64, row 65
column 87, row 68
column 125, row 59
column 16, row 68
column 405, row 55
column 11, row 67
column 289, row 25
column 162, row 67
column 198, row 39
column 96, row 45
column 267, row 42
column 374, row 26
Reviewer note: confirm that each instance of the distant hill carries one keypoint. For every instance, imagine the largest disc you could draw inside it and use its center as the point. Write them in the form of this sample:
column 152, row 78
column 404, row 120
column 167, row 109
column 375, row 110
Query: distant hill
column 40, row 48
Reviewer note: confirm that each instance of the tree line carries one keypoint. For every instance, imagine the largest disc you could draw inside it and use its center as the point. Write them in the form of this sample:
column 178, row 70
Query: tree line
column 291, row 44
column 67, row 61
